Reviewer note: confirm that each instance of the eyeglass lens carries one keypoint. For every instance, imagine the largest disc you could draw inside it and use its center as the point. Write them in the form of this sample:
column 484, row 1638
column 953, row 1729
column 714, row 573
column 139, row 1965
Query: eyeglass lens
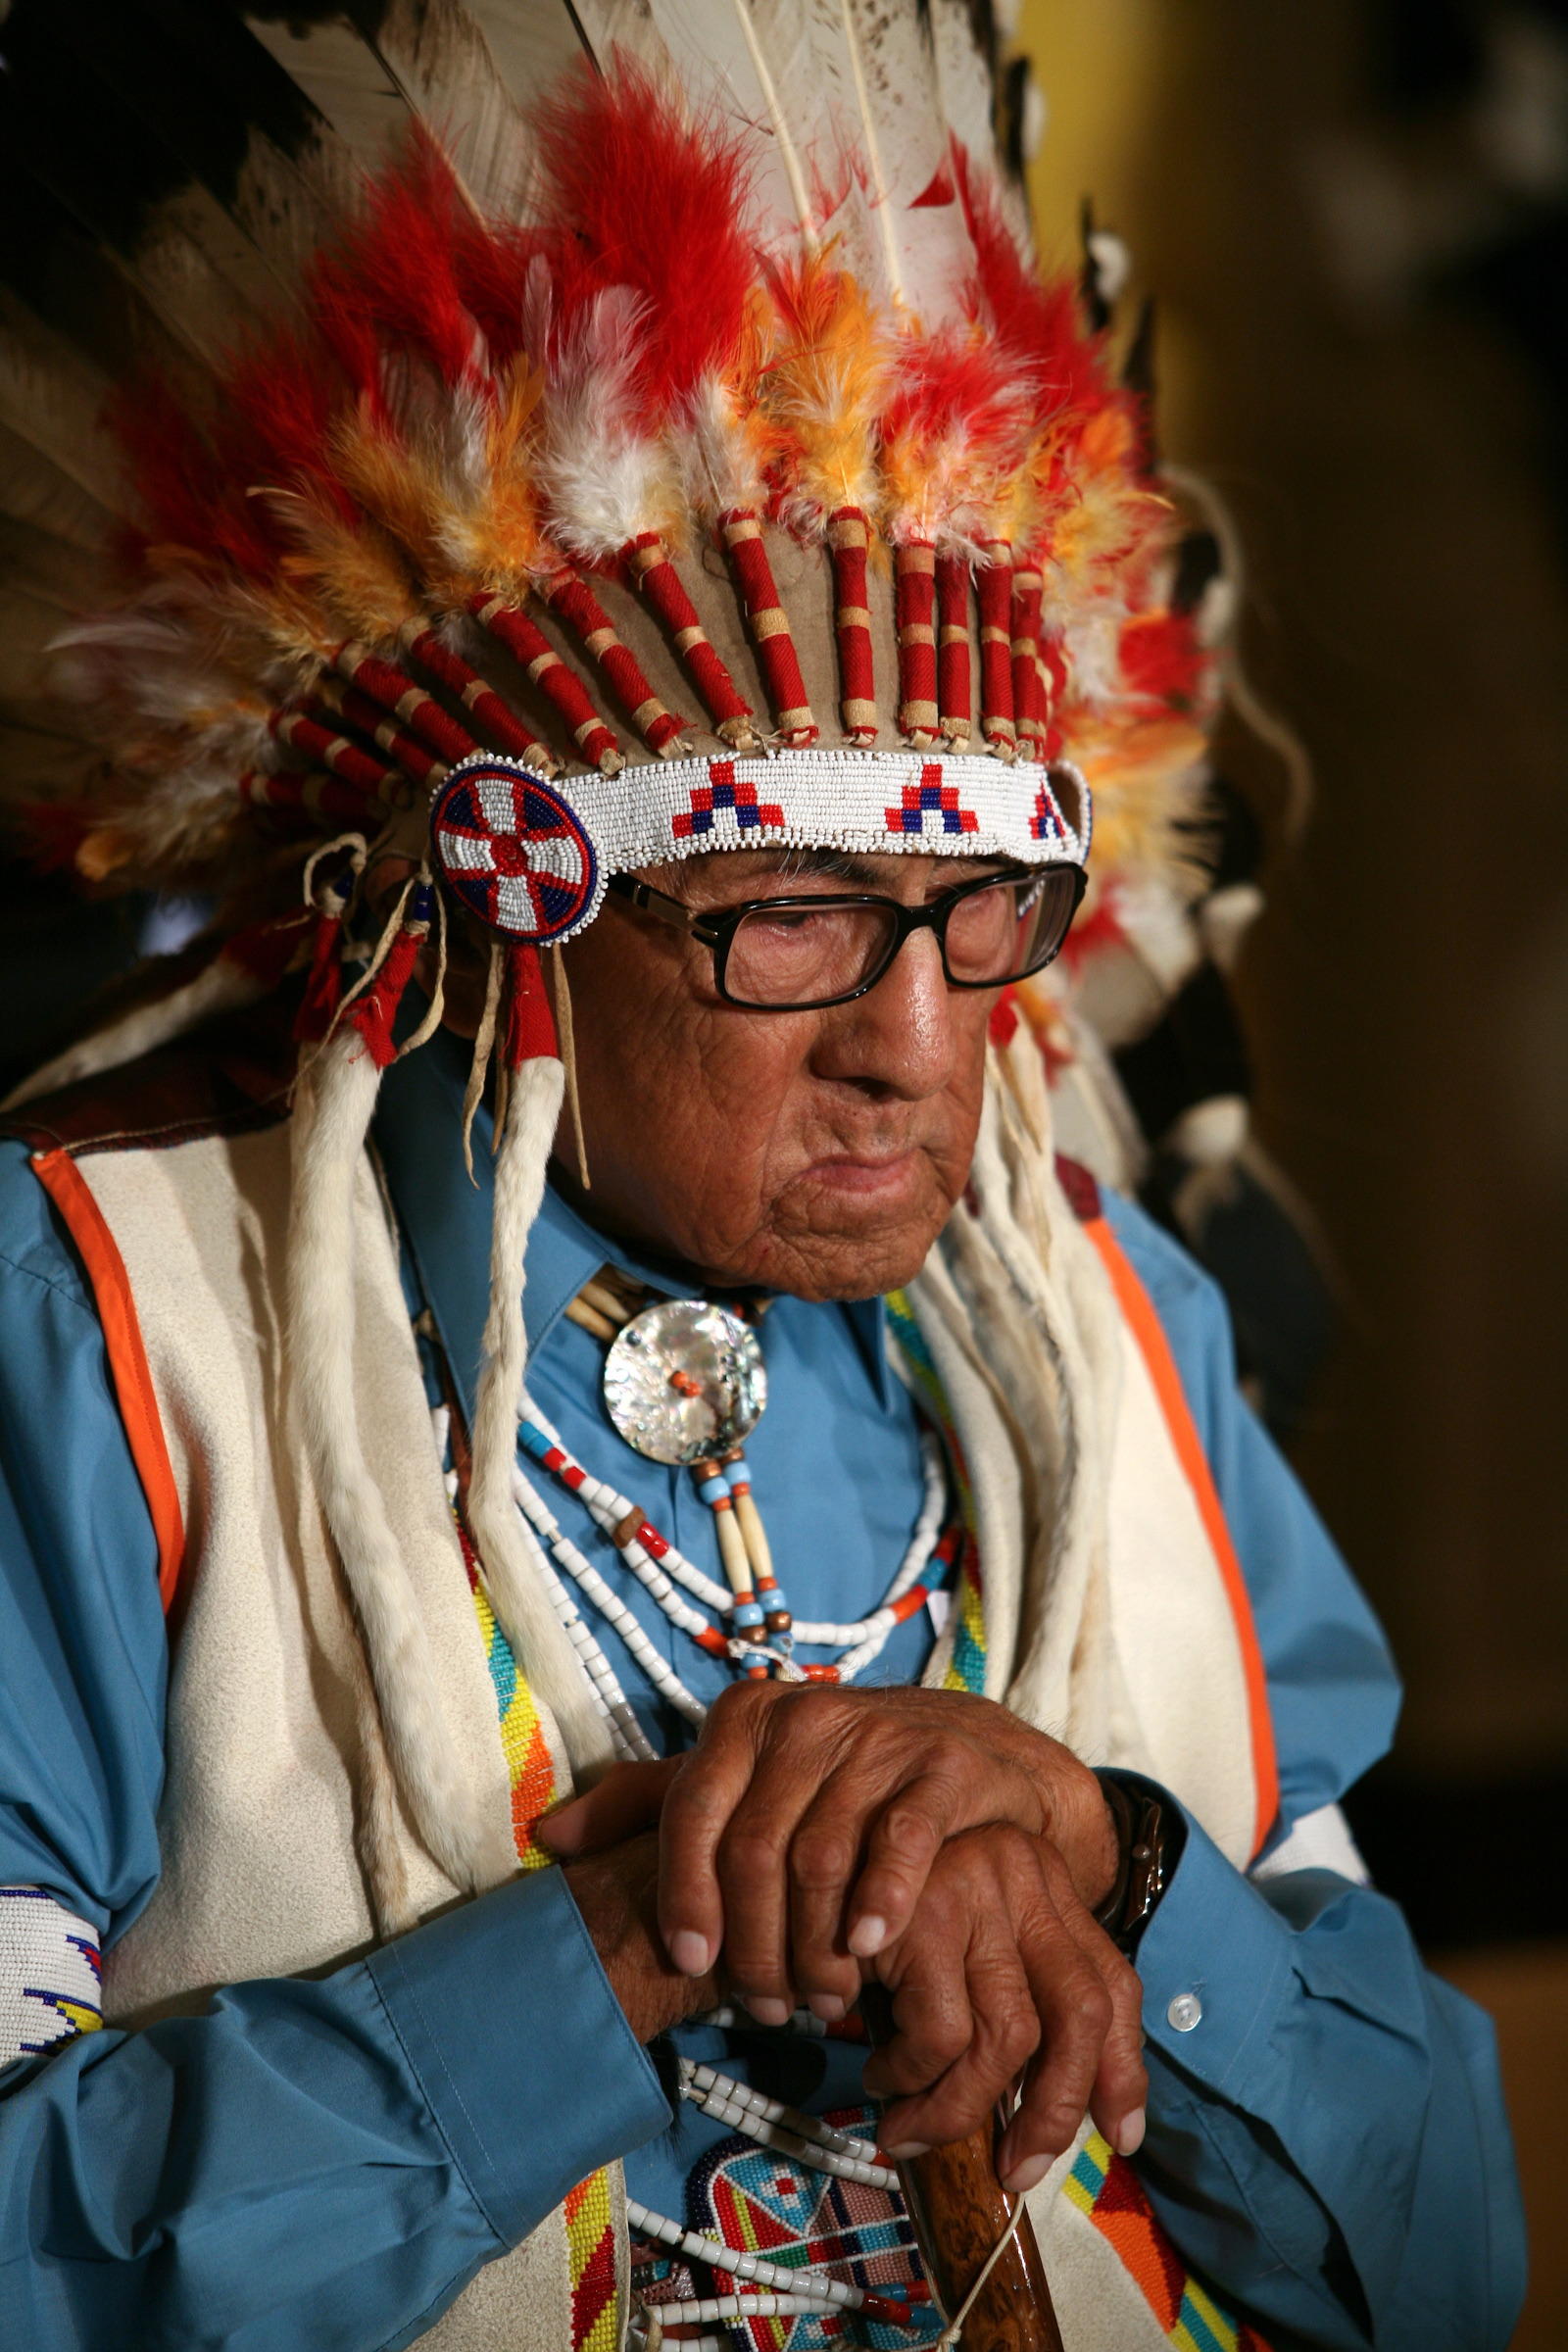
column 801, row 953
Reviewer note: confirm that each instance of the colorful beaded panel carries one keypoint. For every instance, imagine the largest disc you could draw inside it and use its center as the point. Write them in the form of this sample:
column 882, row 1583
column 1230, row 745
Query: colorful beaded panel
column 49, row 1974
column 1104, row 2187
column 761, row 2203
column 529, row 1771
column 591, row 2237
column 966, row 1669
column 590, row 2224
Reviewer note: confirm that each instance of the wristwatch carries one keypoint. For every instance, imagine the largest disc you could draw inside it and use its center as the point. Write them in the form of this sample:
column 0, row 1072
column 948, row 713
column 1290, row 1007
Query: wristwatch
column 1149, row 1834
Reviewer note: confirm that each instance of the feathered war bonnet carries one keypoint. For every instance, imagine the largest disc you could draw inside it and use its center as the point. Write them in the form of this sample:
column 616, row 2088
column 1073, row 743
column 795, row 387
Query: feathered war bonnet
column 671, row 452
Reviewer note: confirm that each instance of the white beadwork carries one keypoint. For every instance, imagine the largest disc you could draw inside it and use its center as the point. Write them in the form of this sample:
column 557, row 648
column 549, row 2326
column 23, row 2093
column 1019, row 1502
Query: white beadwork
column 773, row 2124
column 631, row 1738
column 738, row 2307
column 826, row 799
column 48, row 1973
column 587, row 1578
column 826, row 2294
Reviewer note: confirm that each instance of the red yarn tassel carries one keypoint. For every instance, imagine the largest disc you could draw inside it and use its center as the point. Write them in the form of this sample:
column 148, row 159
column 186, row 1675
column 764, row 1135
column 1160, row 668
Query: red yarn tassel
column 651, row 567
column 495, row 716
column 955, row 685
column 994, row 594
column 561, row 687
column 768, row 623
column 324, row 983
column 398, row 693
column 1028, row 680
column 849, row 535
column 374, row 1013
column 530, row 1030
column 915, row 613
column 584, row 614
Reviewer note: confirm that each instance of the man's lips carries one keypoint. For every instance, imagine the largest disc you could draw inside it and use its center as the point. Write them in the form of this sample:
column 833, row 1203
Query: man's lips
column 866, row 1173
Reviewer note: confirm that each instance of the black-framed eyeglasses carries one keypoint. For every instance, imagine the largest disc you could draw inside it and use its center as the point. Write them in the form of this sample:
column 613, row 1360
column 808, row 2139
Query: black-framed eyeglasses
column 799, row 955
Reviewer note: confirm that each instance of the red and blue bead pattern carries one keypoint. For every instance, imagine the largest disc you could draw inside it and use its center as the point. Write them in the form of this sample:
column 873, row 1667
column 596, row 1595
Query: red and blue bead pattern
column 514, row 851
column 726, row 791
column 931, row 797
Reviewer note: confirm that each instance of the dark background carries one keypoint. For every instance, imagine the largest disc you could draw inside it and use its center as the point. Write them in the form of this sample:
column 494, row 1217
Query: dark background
column 1355, row 214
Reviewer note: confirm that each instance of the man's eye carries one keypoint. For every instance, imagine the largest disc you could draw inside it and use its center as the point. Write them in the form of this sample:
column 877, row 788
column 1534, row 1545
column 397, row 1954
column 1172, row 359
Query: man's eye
column 788, row 918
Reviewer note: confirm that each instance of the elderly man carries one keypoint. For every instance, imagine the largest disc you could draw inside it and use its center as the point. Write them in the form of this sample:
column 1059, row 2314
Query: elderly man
column 601, row 1270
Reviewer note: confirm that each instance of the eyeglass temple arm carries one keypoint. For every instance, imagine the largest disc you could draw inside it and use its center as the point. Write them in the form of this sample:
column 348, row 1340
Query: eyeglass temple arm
column 659, row 904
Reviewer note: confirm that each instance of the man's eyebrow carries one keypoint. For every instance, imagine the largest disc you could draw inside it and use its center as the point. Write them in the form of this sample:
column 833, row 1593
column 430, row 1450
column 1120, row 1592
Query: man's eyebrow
column 859, row 870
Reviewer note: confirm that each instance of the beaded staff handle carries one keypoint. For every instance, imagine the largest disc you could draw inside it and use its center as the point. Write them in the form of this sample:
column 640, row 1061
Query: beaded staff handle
column 973, row 2239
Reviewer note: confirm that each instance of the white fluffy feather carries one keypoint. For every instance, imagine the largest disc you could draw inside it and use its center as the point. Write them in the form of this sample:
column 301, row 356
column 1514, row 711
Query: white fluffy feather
column 602, row 474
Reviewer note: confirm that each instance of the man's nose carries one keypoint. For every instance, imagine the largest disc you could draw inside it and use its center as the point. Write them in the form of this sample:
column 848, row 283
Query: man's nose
column 899, row 1035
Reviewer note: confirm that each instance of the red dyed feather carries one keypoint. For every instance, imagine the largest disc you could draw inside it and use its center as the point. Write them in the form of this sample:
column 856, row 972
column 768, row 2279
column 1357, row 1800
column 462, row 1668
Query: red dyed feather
column 640, row 196
column 394, row 279
column 279, row 401
column 1161, row 660
column 1036, row 320
column 182, row 484
column 949, row 382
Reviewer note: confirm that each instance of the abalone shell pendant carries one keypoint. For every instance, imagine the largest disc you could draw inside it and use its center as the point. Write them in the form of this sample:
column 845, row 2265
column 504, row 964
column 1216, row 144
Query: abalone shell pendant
column 685, row 1380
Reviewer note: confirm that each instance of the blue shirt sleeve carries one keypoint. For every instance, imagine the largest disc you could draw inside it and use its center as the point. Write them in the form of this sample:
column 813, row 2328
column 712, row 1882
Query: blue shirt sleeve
column 325, row 2162
column 1327, row 2138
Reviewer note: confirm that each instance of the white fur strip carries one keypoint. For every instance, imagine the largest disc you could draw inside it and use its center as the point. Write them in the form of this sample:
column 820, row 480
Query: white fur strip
column 49, row 1971
column 331, row 1119
column 513, row 1574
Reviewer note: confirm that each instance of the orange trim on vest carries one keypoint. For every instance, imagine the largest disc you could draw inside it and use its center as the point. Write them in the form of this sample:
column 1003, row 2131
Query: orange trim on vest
column 1148, row 1330
column 129, row 1368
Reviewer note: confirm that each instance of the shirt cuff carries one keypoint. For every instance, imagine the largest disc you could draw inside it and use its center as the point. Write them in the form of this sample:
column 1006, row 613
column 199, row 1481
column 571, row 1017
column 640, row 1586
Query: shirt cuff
column 1215, row 1964
column 522, row 2049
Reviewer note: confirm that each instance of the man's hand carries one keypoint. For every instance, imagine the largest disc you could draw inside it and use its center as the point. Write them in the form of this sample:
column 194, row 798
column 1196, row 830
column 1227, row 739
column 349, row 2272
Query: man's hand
column 1002, row 1969
column 614, row 1890
column 800, row 1832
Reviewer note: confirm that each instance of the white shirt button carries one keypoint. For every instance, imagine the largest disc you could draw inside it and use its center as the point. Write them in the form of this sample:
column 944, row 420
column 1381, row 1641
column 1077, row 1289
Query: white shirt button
column 1185, row 2012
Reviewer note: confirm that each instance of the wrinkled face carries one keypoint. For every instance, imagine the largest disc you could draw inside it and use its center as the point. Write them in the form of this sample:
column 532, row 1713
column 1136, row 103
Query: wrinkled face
column 813, row 1152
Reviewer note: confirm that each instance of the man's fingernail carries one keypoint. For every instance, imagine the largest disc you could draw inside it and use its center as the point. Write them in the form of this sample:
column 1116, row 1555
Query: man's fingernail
column 1130, row 2133
column 691, row 1952
column 907, row 2149
column 827, row 2006
column 766, row 2010
column 868, row 1937
column 1026, row 2175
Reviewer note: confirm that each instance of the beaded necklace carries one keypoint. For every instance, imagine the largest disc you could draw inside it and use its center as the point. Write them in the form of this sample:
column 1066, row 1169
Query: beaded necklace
column 746, row 1620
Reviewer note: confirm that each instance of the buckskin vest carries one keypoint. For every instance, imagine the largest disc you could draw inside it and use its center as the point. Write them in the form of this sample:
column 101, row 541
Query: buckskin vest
column 172, row 1176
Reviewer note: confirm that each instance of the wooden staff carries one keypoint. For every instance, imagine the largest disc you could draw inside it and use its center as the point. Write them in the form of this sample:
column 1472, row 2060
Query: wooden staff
column 961, row 2213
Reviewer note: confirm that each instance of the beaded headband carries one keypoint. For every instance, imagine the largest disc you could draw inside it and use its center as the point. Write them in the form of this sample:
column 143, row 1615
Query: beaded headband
column 531, row 858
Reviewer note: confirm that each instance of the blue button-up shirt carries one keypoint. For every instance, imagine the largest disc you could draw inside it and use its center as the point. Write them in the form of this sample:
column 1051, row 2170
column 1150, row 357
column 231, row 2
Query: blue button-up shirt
column 327, row 2162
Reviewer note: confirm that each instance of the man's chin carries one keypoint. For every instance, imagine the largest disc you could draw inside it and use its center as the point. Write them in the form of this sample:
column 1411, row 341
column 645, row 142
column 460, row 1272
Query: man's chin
column 854, row 1247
